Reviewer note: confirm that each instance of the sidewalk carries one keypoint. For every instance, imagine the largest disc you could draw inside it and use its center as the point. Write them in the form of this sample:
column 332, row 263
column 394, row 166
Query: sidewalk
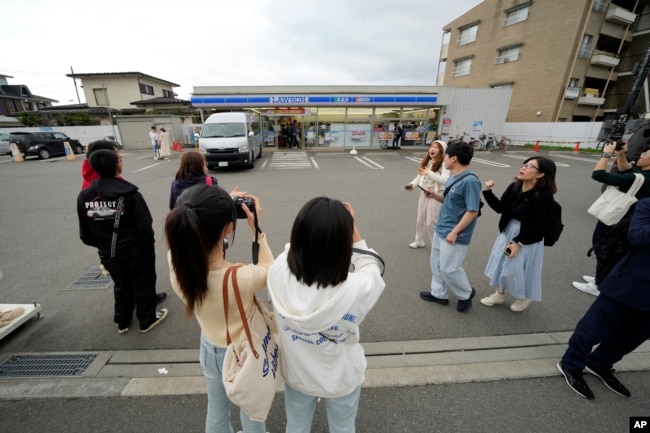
column 390, row 364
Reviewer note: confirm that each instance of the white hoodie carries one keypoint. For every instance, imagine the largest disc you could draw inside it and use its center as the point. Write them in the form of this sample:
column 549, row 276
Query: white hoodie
column 319, row 328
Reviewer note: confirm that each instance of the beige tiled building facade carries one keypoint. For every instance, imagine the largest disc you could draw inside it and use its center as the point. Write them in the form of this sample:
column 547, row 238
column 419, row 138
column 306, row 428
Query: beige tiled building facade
column 565, row 60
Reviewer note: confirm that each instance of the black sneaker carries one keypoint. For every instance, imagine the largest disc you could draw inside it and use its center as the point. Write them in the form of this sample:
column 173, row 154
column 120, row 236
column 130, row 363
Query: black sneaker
column 160, row 297
column 160, row 316
column 609, row 380
column 576, row 382
column 121, row 330
column 427, row 296
column 466, row 304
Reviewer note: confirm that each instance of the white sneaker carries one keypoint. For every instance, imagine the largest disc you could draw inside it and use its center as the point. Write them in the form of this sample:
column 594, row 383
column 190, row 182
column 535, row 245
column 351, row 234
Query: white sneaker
column 417, row 244
column 520, row 304
column 494, row 299
column 589, row 279
column 590, row 288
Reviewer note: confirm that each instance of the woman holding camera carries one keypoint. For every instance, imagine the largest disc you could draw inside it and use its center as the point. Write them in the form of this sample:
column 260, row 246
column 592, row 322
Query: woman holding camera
column 319, row 306
column 433, row 175
column 515, row 263
column 623, row 180
column 196, row 231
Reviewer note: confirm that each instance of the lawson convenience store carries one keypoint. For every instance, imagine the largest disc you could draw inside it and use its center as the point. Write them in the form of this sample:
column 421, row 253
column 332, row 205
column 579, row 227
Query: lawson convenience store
column 340, row 116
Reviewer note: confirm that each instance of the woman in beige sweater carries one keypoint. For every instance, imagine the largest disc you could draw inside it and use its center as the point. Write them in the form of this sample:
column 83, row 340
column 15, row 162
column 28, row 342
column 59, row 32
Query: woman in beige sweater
column 196, row 231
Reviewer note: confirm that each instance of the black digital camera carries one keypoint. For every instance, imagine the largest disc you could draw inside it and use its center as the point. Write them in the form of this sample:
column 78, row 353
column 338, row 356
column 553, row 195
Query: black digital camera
column 616, row 134
column 239, row 201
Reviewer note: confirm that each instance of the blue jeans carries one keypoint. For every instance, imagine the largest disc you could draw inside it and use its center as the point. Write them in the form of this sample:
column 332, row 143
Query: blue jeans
column 341, row 412
column 447, row 272
column 217, row 419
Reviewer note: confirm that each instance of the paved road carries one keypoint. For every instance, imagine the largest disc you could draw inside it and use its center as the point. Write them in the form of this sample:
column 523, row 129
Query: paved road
column 42, row 255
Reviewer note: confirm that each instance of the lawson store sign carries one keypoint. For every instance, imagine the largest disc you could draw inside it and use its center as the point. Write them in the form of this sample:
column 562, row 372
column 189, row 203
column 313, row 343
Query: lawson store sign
column 314, row 100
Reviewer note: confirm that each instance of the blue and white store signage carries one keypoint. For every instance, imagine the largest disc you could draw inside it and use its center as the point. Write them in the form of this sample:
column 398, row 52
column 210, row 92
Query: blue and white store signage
column 314, row 100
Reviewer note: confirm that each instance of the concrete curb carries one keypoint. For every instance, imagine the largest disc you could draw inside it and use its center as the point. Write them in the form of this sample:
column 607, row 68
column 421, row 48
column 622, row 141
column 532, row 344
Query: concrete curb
column 390, row 364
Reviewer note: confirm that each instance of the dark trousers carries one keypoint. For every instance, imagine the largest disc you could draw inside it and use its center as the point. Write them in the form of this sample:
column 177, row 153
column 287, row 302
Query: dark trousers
column 134, row 278
column 600, row 232
column 396, row 140
column 617, row 328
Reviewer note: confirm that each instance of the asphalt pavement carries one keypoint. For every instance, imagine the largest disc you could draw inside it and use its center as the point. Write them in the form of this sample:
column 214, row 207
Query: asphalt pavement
column 430, row 367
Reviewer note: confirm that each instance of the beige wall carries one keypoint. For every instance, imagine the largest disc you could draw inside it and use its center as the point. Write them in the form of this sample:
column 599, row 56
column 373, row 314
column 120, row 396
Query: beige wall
column 121, row 90
column 549, row 37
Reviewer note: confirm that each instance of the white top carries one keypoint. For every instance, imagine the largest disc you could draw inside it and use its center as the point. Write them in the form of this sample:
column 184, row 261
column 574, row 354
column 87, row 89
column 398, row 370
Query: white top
column 319, row 327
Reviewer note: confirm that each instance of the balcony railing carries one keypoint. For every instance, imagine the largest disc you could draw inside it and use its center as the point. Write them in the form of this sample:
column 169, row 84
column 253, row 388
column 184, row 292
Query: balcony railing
column 619, row 15
column 603, row 58
column 642, row 23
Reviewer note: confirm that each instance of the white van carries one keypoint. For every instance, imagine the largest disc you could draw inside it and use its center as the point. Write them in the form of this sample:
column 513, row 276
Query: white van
column 231, row 139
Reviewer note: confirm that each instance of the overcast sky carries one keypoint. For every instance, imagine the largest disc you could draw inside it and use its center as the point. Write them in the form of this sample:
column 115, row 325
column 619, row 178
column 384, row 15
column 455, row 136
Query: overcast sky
column 224, row 42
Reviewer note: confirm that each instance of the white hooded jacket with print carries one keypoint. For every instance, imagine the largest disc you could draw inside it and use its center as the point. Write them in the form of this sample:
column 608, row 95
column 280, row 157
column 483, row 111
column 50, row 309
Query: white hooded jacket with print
column 319, row 327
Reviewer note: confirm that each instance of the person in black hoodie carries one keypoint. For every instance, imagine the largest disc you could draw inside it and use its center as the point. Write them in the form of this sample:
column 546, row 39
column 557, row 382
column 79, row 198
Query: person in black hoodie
column 193, row 171
column 115, row 219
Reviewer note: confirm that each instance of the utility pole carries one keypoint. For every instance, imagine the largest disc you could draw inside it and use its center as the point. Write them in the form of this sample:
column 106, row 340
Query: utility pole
column 108, row 107
column 74, row 80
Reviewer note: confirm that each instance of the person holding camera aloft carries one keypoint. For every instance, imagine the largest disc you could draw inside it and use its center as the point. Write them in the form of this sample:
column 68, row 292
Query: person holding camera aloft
column 623, row 180
column 196, row 231
column 320, row 305
column 515, row 263
column 431, row 174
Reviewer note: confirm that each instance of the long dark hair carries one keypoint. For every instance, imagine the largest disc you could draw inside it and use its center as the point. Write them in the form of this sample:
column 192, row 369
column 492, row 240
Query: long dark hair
column 546, row 166
column 192, row 165
column 193, row 229
column 321, row 243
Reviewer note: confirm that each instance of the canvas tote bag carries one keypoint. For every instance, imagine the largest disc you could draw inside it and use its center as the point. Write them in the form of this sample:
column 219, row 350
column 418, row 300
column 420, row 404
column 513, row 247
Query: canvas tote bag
column 613, row 204
column 251, row 367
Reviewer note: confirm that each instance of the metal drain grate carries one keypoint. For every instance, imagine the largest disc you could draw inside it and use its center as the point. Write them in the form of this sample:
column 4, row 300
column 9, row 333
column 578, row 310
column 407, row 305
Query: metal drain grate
column 92, row 279
column 67, row 364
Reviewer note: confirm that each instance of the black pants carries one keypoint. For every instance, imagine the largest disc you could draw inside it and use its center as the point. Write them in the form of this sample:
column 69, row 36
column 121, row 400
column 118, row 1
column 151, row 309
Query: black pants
column 134, row 278
column 600, row 232
column 396, row 139
column 617, row 328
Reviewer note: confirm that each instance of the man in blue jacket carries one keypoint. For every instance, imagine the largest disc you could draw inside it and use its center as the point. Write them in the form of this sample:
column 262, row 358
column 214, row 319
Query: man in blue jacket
column 618, row 320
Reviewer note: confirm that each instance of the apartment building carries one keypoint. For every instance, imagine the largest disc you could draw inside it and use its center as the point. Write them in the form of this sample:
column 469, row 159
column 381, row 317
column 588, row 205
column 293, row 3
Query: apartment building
column 565, row 60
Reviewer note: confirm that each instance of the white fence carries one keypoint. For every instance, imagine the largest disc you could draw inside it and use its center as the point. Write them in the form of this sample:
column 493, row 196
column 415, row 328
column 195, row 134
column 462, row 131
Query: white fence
column 566, row 134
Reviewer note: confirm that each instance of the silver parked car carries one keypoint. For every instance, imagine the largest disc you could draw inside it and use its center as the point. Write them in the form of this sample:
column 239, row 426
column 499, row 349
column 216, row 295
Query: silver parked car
column 5, row 149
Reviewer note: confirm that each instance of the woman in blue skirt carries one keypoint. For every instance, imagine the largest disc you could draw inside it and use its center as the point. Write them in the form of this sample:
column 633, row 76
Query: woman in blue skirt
column 515, row 264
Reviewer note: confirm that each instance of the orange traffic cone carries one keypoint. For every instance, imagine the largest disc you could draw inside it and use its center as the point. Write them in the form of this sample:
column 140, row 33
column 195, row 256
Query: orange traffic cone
column 576, row 149
column 536, row 146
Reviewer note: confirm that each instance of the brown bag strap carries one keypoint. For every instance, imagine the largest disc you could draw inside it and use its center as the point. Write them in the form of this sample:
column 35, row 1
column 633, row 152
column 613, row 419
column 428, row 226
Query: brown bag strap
column 232, row 273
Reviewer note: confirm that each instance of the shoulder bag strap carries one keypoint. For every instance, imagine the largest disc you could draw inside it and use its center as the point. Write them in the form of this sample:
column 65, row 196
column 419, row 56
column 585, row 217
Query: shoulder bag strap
column 458, row 179
column 116, row 225
column 636, row 185
column 240, row 307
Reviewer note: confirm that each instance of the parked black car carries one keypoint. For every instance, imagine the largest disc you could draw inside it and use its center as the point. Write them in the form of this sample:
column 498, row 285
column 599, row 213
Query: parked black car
column 44, row 144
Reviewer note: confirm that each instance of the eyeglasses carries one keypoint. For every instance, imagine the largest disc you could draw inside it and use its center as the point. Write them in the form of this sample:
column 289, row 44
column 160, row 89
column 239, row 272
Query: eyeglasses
column 528, row 166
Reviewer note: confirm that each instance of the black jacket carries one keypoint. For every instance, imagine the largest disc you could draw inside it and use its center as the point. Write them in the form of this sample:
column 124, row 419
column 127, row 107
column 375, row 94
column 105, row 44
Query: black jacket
column 537, row 207
column 629, row 281
column 178, row 186
column 97, row 207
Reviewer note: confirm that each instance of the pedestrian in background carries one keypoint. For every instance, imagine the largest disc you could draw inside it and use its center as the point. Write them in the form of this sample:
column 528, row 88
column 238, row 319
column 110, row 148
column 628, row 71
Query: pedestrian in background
column 320, row 305
column 433, row 175
column 397, row 135
column 619, row 319
column 155, row 145
column 453, row 232
column 115, row 219
column 165, row 141
column 515, row 263
column 196, row 231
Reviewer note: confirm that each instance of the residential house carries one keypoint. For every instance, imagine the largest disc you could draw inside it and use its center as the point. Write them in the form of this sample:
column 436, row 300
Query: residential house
column 17, row 98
